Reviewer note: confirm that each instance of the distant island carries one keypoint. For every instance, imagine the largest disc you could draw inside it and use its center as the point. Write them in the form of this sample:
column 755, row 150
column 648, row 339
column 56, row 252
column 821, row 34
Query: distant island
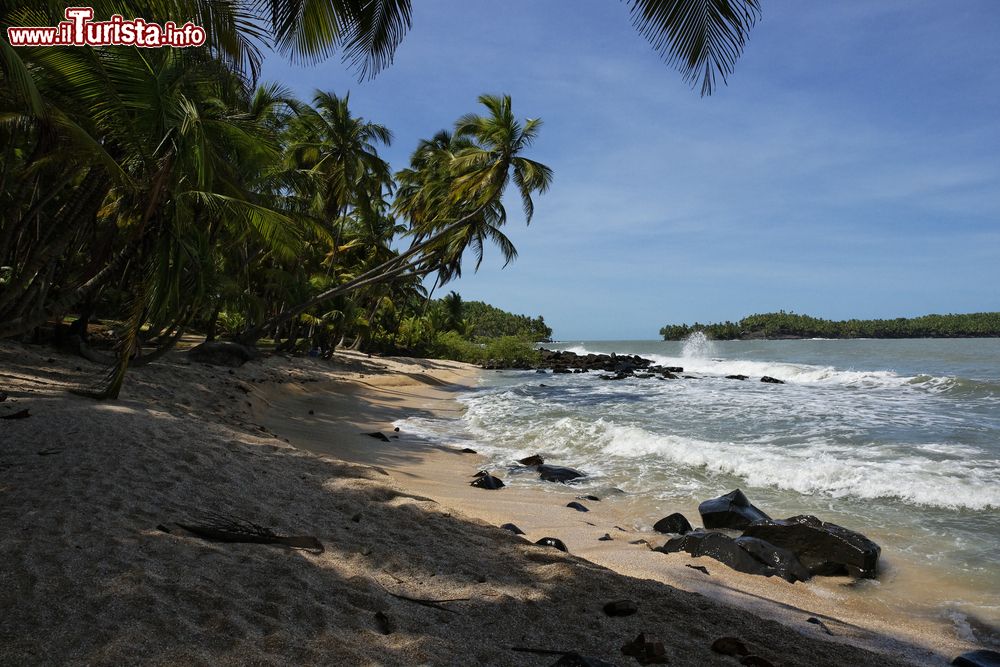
column 784, row 325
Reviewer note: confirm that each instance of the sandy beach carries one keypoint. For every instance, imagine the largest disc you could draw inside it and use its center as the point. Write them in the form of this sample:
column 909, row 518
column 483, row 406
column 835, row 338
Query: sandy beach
column 414, row 570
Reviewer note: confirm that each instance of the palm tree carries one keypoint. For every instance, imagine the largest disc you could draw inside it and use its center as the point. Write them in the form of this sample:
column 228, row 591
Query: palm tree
column 702, row 39
column 475, row 183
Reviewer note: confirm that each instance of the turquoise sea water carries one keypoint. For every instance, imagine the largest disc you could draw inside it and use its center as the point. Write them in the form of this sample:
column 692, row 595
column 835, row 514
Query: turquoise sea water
column 899, row 439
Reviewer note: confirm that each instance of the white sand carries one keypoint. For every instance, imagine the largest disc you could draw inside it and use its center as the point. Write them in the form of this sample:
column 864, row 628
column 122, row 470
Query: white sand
column 87, row 578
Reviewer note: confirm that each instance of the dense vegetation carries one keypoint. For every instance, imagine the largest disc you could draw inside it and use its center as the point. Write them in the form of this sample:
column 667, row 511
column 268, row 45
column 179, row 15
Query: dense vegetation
column 167, row 190
column 792, row 325
column 489, row 322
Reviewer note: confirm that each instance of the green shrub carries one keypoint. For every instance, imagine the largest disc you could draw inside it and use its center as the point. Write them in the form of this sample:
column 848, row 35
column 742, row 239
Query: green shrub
column 451, row 345
column 511, row 351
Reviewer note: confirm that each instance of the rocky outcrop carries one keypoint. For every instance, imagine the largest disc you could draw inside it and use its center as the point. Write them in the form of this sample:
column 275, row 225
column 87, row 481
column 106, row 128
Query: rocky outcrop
column 744, row 554
column 732, row 510
column 567, row 362
column 825, row 548
column 561, row 474
column 675, row 523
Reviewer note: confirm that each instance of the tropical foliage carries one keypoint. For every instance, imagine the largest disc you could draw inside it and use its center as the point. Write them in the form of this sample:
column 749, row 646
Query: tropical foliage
column 164, row 189
column 792, row 325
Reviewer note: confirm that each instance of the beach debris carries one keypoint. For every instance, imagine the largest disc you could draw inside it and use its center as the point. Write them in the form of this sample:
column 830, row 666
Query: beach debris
column 675, row 523
column 732, row 510
column 825, row 548
column 567, row 659
column 737, row 377
column 512, row 528
column 594, row 498
column 484, row 480
column 559, row 474
column 384, row 623
column 219, row 528
column 730, row 646
column 577, row 506
column 744, row 554
column 20, row 414
column 533, row 460
column 770, row 380
column 433, row 604
column 821, row 624
column 378, row 435
column 621, row 608
column 700, row 568
column 980, row 658
column 468, row 450
column 607, row 538
column 553, row 542
column 646, row 651
column 222, row 353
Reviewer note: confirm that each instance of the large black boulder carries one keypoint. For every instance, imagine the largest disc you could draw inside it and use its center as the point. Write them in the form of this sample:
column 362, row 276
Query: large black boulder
column 732, row 510
column 487, row 481
column 558, row 473
column 744, row 554
column 675, row 523
column 980, row 658
column 825, row 548
column 222, row 353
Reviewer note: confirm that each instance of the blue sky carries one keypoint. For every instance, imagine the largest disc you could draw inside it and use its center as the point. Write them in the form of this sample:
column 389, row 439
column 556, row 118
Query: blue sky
column 851, row 168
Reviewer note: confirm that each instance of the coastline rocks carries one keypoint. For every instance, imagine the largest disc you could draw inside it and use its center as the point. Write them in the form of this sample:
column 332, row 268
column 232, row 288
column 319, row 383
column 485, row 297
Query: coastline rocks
column 567, row 362
column 675, row 523
column 749, row 555
column 559, row 474
column 484, row 480
column 553, row 542
column 770, row 380
column 533, row 460
column 222, row 353
column 732, row 510
column 980, row 658
column 737, row 377
column 577, row 506
column 825, row 548
column 512, row 528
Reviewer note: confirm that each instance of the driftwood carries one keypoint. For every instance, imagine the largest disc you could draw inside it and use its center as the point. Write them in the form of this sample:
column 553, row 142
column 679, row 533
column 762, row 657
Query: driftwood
column 433, row 604
column 218, row 528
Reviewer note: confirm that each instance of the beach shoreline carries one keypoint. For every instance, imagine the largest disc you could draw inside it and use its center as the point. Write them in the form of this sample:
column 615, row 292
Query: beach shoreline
column 92, row 493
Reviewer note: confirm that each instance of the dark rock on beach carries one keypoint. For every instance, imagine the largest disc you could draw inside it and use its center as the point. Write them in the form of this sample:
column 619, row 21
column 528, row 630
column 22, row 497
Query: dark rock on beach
column 675, row 523
column 533, row 460
column 825, row 548
column 222, row 353
column 577, row 506
column 573, row 659
column 512, row 528
column 770, row 380
column 646, row 650
column 558, row 473
column 566, row 362
column 737, row 377
column 621, row 608
column 487, row 481
column 732, row 510
column 748, row 555
column 981, row 658
column 378, row 435
column 553, row 542
column 730, row 646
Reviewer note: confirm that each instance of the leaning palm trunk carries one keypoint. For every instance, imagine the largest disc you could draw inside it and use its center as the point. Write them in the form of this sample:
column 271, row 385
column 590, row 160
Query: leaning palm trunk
column 388, row 270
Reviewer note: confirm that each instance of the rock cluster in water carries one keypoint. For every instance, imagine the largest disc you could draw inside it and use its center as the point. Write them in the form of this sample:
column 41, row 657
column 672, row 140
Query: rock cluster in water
column 795, row 549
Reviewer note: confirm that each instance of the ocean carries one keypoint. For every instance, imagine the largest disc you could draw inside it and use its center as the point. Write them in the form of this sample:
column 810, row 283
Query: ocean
column 897, row 439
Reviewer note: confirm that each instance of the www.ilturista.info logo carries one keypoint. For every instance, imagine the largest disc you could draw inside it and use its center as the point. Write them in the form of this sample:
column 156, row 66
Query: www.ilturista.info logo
column 79, row 30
